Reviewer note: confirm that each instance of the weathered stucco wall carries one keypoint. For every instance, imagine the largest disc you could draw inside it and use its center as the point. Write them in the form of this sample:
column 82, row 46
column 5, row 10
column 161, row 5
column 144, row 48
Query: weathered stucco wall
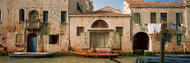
column 113, row 22
column 145, row 20
column 10, row 25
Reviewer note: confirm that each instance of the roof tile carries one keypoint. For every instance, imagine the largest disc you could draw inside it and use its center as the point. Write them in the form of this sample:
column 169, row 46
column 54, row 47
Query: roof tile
column 150, row 3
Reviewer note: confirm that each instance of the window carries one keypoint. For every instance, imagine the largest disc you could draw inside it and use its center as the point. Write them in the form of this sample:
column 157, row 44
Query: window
column 0, row 15
column 179, row 39
column 137, row 17
column 53, row 39
column 153, row 17
column 63, row 16
column 178, row 19
column 100, row 24
column 79, row 7
column 34, row 15
column 45, row 15
column 119, row 30
column 80, row 30
column 0, row 38
column 164, row 17
column 21, row 15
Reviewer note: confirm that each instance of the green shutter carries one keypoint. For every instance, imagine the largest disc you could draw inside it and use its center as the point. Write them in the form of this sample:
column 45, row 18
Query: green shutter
column 139, row 18
column 21, row 15
column 45, row 19
column 135, row 17
column 63, row 16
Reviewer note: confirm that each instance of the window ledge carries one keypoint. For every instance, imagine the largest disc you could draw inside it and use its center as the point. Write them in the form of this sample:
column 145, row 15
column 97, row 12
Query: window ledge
column 64, row 23
column 21, row 22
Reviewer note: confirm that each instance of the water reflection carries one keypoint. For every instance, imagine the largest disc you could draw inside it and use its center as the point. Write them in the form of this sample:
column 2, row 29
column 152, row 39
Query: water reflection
column 64, row 59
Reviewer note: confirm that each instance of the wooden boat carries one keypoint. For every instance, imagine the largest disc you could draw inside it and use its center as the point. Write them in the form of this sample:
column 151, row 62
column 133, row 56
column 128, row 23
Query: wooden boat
column 31, row 54
column 150, row 59
column 176, row 55
column 90, row 54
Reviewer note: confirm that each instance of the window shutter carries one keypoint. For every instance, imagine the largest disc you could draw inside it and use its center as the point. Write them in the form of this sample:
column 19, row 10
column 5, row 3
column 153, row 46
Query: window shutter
column 115, row 40
column 45, row 19
column 63, row 16
column 139, row 18
column 85, row 41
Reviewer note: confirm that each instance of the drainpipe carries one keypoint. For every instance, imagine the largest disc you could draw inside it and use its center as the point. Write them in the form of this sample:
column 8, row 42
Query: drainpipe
column 69, row 44
column 25, row 41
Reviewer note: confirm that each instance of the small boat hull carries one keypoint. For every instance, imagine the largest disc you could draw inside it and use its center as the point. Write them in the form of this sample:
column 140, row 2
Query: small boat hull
column 99, row 55
column 31, row 54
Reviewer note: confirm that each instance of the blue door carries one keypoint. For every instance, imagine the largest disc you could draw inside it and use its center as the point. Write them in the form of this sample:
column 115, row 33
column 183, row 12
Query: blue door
column 32, row 43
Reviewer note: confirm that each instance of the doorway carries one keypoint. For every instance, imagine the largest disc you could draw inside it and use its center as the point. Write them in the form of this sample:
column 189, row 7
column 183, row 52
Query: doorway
column 140, row 43
column 99, row 39
column 32, row 43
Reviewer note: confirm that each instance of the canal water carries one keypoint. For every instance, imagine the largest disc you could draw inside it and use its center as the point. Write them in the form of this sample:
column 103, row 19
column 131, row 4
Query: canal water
column 64, row 59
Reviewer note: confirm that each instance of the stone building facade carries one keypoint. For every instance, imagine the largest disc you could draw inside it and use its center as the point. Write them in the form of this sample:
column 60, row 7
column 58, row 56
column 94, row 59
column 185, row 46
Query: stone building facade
column 37, row 25
column 149, row 18
column 63, row 25
column 100, row 31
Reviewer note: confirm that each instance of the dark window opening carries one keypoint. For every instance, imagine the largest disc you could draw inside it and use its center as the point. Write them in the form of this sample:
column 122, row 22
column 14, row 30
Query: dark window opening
column 53, row 39
column 0, row 38
column 164, row 17
column 119, row 30
column 164, row 20
column 80, row 30
column 63, row 16
column 137, row 17
column 179, row 39
column 100, row 24
column 178, row 19
column 45, row 15
column 153, row 17
column 21, row 15
column 79, row 7
column 34, row 15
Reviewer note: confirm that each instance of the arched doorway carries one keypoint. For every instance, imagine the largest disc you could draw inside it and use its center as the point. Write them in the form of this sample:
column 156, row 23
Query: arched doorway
column 99, row 38
column 33, row 15
column 32, row 43
column 140, row 42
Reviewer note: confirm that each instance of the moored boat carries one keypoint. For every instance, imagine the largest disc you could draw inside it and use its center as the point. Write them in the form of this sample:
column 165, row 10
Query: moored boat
column 176, row 55
column 31, row 54
column 100, row 55
column 150, row 59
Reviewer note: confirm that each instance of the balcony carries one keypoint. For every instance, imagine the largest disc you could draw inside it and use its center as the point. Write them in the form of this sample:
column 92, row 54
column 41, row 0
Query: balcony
column 33, row 24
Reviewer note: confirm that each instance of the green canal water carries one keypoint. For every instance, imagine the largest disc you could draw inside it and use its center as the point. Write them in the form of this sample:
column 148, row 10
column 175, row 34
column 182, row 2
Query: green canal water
column 64, row 59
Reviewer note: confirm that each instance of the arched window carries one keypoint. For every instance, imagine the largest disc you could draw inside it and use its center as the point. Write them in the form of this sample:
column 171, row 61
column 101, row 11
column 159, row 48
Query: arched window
column 100, row 24
column 21, row 15
column 33, row 15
